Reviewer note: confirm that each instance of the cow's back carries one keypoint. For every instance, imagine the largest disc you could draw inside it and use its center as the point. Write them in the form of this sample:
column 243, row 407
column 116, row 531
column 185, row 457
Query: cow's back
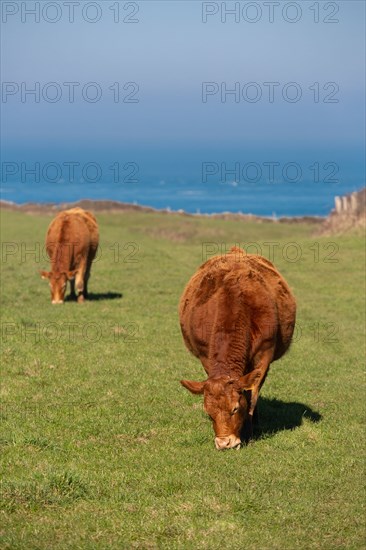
column 72, row 236
column 89, row 220
column 233, row 306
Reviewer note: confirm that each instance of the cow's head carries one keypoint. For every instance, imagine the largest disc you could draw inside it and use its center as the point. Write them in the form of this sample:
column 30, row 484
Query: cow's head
column 226, row 404
column 58, row 282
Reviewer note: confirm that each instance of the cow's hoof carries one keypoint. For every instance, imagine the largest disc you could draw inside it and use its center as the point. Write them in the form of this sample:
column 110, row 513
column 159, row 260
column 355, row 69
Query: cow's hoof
column 81, row 299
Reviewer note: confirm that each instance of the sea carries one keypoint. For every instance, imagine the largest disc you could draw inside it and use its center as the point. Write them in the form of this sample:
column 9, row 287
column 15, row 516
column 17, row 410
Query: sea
column 287, row 187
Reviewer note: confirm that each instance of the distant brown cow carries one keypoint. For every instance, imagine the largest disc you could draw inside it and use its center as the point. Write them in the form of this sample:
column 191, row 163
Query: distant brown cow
column 237, row 315
column 72, row 242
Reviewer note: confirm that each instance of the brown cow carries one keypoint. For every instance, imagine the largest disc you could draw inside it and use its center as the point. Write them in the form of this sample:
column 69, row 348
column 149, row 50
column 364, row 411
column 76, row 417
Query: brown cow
column 237, row 315
column 71, row 242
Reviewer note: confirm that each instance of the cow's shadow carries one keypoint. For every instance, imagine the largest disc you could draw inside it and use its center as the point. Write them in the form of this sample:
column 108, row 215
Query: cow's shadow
column 276, row 416
column 104, row 296
column 97, row 296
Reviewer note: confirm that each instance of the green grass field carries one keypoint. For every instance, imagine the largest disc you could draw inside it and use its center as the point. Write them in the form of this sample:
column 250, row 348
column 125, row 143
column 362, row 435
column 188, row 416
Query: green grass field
column 103, row 448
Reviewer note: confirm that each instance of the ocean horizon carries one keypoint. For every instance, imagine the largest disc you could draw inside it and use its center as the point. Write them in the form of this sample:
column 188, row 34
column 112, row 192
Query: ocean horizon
column 270, row 182
column 268, row 199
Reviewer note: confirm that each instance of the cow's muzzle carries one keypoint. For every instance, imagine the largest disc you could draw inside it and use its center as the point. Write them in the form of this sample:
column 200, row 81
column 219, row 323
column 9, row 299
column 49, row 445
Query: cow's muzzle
column 229, row 442
column 57, row 301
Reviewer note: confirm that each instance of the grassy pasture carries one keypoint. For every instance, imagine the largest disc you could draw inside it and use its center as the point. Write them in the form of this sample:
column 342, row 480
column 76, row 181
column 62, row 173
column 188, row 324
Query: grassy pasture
column 102, row 447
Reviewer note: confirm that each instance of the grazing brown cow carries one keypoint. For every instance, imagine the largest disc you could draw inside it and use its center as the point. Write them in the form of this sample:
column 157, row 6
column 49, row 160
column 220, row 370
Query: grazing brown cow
column 237, row 315
column 71, row 242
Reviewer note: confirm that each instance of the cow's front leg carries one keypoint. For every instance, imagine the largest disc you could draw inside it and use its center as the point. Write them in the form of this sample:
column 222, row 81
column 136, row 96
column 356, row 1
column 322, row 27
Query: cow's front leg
column 250, row 422
column 72, row 289
column 247, row 429
column 79, row 284
column 86, row 280
column 261, row 364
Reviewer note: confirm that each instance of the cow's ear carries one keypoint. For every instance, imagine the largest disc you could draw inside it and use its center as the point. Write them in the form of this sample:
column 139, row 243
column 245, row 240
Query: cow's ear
column 71, row 274
column 45, row 274
column 193, row 387
column 249, row 381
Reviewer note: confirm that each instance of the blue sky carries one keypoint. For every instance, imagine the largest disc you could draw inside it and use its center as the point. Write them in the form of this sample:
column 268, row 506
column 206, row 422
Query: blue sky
column 169, row 53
